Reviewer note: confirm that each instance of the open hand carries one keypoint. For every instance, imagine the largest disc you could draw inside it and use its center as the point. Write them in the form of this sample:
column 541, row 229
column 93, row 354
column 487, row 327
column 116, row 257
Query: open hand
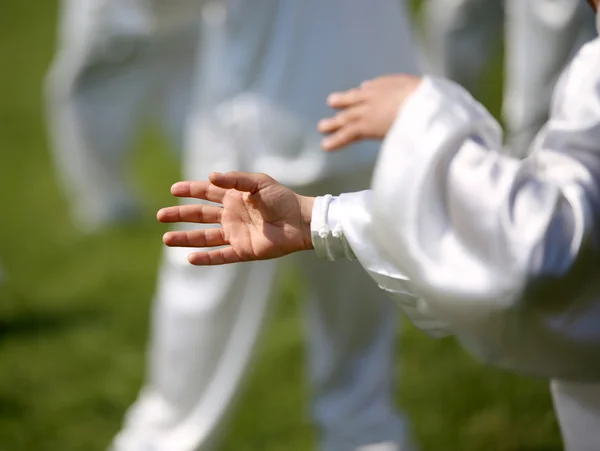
column 367, row 112
column 260, row 219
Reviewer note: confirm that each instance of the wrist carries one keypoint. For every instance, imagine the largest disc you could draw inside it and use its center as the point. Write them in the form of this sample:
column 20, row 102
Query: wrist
column 306, row 208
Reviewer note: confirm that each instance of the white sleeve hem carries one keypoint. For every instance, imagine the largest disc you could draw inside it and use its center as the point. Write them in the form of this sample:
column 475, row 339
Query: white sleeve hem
column 327, row 233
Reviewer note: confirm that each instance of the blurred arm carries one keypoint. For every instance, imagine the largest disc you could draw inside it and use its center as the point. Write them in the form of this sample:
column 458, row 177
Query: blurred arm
column 501, row 250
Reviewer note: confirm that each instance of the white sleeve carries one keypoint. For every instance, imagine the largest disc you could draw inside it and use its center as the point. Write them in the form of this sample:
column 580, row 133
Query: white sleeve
column 341, row 230
column 504, row 251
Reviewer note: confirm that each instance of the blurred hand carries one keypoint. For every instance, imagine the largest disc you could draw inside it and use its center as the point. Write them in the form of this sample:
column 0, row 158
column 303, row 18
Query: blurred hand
column 367, row 112
column 260, row 218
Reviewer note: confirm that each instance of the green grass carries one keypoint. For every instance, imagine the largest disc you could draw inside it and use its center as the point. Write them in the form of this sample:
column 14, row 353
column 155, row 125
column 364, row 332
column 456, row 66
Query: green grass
column 74, row 311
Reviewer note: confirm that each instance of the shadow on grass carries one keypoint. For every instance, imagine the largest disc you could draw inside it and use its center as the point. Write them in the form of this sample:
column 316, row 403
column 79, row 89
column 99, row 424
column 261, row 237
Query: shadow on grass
column 10, row 407
column 43, row 322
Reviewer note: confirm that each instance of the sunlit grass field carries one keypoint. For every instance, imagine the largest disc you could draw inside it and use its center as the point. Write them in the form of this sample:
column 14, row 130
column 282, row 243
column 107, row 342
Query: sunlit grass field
column 74, row 310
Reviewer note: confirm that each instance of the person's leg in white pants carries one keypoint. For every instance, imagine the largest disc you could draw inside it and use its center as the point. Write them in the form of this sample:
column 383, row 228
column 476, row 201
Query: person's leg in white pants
column 541, row 38
column 460, row 36
column 350, row 328
column 206, row 323
column 106, row 72
column 578, row 409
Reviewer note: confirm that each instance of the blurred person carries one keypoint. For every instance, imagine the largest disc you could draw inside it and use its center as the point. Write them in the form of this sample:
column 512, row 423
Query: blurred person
column 541, row 36
column 118, row 63
column 264, row 67
column 501, row 252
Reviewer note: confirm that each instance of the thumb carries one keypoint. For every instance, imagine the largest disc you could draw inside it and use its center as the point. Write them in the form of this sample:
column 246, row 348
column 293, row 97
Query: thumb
column 249, row 182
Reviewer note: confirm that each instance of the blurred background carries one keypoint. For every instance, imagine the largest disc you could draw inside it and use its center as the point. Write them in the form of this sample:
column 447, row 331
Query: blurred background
column 74, row 309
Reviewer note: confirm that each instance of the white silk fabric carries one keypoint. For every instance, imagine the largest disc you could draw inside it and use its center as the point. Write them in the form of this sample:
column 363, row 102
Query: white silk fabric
column 502, row 253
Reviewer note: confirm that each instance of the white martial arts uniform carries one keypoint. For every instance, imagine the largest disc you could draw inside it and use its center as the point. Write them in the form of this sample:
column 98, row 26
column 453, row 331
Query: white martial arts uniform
column 541, row 37
column 116, row 62
column 502, row 253
column 265, row 70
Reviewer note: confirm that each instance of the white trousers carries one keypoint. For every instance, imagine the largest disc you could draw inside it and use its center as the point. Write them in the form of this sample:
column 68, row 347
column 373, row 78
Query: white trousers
column 578, row 408
column 105, row 77
column 540, row 38
column 207, row 321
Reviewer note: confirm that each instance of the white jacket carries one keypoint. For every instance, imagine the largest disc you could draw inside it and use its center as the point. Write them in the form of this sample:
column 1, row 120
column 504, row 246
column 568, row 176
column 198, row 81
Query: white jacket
column 504, row 254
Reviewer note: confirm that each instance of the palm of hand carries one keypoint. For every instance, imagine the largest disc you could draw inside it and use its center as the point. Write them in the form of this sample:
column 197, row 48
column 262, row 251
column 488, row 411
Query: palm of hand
column 263, row 225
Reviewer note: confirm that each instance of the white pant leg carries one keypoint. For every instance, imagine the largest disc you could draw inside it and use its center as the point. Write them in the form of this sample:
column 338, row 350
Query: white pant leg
column 105, row 73
column 351, row 332
column 201, row 329
column 460, row 36
column 541, row 38
column 205, row 325
column 351, row 342
column 94, row 90
column 175, row 63
column 578, row 409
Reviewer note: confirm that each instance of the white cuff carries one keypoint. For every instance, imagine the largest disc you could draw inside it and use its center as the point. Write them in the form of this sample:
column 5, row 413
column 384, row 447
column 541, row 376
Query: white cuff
column 326, row 230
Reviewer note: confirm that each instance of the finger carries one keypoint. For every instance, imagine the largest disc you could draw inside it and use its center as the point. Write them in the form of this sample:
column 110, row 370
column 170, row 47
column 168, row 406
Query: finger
column 343, row 137
column 367, row 83
column 201, row 214
column 198, row 190
column 346, row 99
column 221, row 256
column 341, row 119
column 379, row 82
column 195, row 238
column 388, row 81
column 329, row 125
column 394, row 78
column 249, row 182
